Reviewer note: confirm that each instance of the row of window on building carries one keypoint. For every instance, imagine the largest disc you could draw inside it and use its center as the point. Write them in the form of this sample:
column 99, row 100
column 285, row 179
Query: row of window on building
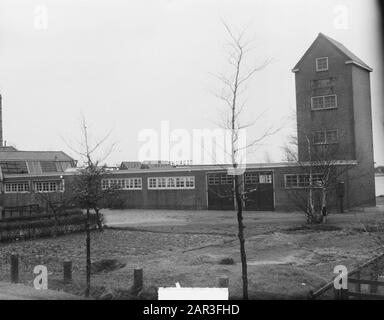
column 303, row 180
column 250, row 178
column 39, row 186
column 164, row 183
column 125, row 184
column 154, row 183
column 323, row 102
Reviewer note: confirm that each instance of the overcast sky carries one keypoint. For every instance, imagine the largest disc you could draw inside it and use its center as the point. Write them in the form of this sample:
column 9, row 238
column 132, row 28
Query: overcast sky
column 127, row 65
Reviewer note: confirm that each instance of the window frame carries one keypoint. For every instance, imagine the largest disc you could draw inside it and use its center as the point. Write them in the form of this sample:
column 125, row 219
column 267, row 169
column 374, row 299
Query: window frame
column 299, row 176
column 9, row 187
column 325, row 133
column 213, row 179
column 252, row 178
column 132, row 183
column 171, row 183
column 317, row 65
column 226, row 179
column 323, row 99
column 265, row 179
column 46, row 186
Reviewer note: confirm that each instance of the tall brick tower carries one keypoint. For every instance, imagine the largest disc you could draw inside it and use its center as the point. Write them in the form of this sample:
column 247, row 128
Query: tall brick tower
column 333, row 104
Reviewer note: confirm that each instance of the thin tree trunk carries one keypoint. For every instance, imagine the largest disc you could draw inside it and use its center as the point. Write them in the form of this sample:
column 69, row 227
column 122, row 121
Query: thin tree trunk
column 244, row 272
column 324, row 204
column 88, row 263
column 311, row 205
column 98, row 219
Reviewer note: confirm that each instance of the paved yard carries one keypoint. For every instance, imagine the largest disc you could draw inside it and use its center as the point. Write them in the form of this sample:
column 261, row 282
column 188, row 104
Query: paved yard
column 195, row 248
column 224, row 222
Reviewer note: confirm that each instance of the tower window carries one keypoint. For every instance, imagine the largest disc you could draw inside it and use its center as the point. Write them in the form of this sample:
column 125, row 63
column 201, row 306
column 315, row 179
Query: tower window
column 322, row 64
column 324, row 102
column 325, row 137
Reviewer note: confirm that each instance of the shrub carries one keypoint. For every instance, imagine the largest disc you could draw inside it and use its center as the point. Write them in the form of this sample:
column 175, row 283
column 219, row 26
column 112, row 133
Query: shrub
column 27, row 229
column 314, row 228
column 227, row 261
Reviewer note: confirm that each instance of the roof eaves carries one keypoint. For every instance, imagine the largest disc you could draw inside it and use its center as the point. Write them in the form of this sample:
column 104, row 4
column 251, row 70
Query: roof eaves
column 359, row 65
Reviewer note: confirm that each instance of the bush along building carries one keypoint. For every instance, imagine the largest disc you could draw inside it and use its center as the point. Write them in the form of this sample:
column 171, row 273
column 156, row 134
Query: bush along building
column 334, row 155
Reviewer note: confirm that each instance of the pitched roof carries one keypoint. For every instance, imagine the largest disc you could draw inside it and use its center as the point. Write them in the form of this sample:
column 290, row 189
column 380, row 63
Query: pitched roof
column 130, row 163
column 352, row 58
column 35, row 156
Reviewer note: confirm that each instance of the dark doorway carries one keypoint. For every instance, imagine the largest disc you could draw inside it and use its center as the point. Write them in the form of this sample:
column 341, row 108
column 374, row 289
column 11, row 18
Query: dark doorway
column 258, row 186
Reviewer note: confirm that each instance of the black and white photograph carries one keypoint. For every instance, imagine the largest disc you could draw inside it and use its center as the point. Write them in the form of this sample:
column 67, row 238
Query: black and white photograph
column 177, row 150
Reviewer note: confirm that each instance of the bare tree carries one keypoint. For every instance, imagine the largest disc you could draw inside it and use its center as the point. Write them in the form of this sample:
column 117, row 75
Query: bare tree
column 319, row 172
column 233, row 86
column 56, row 204
column 87, row 190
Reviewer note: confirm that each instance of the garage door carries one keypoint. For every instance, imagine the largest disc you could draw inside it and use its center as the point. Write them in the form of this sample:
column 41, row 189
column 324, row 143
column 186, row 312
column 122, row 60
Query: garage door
column 220, row 194
column 258, row 187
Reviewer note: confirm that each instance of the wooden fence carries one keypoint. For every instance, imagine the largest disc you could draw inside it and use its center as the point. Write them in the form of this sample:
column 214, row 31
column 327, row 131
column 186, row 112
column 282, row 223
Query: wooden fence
column 364, row 275
column 371, row 294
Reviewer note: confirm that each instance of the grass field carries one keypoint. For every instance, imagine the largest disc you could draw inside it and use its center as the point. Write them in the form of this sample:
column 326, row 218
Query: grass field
column 195, row 248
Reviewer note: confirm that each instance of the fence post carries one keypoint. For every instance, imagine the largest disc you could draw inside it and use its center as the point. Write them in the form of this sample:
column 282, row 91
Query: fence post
column 14, row 268
column 67, row 264
column 223, row 282
column 137, row 280
column 344, row 294
column 337, row 294
column 340, row 294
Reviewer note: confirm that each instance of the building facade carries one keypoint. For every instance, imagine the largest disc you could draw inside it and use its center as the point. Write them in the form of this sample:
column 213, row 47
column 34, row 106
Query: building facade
column 334, row 114
column 26, row 174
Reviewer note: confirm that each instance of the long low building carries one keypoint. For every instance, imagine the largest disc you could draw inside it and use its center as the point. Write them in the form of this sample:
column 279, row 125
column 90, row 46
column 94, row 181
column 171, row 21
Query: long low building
column 279, row 186
column 26, row 175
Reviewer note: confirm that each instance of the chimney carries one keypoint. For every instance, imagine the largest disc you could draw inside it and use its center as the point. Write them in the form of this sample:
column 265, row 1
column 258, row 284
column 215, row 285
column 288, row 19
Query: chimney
column 1, row 122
